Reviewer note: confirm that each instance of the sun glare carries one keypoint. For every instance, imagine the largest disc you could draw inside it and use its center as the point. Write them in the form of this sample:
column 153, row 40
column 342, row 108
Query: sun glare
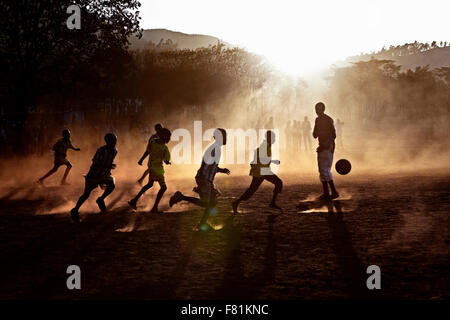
column 301, row 37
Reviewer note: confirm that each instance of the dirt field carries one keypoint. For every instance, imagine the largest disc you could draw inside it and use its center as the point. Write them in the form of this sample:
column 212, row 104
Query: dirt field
column 308, row 251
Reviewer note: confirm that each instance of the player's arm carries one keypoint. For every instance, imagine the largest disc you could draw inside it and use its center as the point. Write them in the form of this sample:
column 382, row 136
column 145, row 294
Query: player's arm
column 333, row 130
column 167, row 157
column 146, row 153
column 74, row 148
column 315, row 135
column 223, row 170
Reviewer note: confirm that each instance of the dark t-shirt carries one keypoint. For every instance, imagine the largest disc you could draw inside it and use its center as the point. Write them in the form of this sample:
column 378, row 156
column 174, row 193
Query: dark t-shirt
column 102, row 162
column 324, row 130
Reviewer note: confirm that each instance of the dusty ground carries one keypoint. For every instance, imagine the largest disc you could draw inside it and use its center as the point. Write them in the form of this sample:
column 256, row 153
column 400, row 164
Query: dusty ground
column 309, row 251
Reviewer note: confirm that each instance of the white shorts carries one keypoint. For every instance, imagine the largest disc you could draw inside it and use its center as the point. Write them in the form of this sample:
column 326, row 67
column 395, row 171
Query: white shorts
column 325, row 162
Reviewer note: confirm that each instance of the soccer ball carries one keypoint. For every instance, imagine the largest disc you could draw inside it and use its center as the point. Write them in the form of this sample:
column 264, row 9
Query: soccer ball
column 343, row 166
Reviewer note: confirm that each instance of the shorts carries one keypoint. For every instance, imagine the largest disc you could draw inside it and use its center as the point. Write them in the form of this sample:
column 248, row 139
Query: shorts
column 61, row 160
column 157, row 177
column 206, row 191
column 92, row 183
column 325, row 162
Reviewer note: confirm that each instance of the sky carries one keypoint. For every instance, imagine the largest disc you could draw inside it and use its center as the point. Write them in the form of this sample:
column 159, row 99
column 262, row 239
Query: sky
column 301, row 37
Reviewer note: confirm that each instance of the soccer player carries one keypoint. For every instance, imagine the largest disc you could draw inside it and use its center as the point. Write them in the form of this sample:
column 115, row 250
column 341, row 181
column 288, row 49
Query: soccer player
column 159, row 153
column 306, row 133
column 158, row 128
column 205, row 178
column 60, row 149
column 324, row 130
column 99, row 175
column 260, row 171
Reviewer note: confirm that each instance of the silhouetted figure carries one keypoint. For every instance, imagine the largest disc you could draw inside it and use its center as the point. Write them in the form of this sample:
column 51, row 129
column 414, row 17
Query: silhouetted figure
column 159, row 153
column 99, row 175
column 269, row 124
column 339, row 126
column 260, row 171
column 306, row 133
column 324, row 130
column 297, row 136
column 60, row 149
column 205, row 178
column 287, row 132
column 158, row 128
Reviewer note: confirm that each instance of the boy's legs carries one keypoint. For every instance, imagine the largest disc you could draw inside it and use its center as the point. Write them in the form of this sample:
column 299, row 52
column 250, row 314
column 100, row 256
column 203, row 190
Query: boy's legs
column 143, row 176
column 133, row 201
column 66, row 172
column 88, row 187
column 325, row 162
column 205, row 190
column 110, row 186
column 208, row 200
column 305, row 141
column 278, row 187
column 48, row 174
column 254, row 185
column 163, row 188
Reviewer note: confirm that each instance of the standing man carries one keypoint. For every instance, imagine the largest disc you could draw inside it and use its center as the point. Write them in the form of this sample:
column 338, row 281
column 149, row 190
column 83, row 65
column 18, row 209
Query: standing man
column 287, row 132
column 306, row 130
column 324, row 130
column 298, row 135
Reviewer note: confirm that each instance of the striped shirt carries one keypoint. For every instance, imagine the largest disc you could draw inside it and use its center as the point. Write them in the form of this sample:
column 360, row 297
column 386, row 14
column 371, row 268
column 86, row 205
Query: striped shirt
column 210, row 163
column 102, row 162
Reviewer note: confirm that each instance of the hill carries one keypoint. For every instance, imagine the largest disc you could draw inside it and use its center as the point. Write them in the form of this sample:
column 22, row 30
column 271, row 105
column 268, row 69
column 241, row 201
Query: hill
column 173, row 39
column 435, row 58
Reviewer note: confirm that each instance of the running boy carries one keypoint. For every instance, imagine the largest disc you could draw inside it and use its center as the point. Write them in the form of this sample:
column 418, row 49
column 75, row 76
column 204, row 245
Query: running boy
column 158, row 151
column 260, row 171
column 60, row 149
column 158, row 128
column 324, row 130
column 205, row 177
column 99, row 175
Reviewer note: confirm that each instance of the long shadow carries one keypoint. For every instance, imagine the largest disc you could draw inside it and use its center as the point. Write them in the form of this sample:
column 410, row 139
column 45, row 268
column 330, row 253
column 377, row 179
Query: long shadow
column 11, row 193
column 351, row 267
column 74, row 241
column 234, row 284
